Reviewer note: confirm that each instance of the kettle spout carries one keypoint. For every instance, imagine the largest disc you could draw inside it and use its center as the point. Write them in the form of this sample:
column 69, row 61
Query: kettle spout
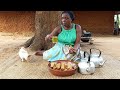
column 102, row 63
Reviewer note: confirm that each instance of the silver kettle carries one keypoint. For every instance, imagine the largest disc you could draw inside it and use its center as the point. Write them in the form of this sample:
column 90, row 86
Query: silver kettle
column 75, row 57
column 96, row 58
column 86, row 66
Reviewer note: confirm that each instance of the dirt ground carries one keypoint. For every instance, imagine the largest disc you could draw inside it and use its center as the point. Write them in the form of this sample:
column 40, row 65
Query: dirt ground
column 11, row 66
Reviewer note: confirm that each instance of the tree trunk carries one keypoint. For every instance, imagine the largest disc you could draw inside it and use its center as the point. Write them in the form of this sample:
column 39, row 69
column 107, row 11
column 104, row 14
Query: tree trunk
column 45, row 22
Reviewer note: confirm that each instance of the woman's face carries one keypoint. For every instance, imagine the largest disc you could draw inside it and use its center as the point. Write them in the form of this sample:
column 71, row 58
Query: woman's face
column 66, row 20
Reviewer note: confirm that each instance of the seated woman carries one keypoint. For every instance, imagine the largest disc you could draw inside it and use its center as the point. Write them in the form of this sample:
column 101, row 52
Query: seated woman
column 69, row 36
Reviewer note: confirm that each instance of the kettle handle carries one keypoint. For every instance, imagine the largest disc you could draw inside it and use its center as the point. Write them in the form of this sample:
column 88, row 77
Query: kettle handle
column 88, row 56
column 79, row 54
column 96, row 49
column 64, row 51
column 66, row 54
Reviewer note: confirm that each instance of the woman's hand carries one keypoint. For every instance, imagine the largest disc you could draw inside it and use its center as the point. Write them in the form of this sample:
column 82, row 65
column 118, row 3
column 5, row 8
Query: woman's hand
column 72, row 50
column 48, row 37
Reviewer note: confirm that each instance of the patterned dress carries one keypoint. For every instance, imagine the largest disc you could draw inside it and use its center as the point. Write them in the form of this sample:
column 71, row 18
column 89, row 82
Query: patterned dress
column 66, row 39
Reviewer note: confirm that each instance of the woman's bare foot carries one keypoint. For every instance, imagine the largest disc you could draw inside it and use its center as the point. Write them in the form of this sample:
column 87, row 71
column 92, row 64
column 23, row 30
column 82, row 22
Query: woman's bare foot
column 39, row 53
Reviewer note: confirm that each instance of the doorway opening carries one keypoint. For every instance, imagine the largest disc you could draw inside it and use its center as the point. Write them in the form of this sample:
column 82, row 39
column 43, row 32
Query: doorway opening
column 116, row 24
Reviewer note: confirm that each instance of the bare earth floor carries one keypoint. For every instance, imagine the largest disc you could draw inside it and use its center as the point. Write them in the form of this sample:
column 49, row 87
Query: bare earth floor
column 11, row 66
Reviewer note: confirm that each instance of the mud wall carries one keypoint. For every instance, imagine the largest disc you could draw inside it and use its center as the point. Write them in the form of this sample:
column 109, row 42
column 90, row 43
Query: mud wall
column 24, row 21
column 100, row 22
column 17, row 21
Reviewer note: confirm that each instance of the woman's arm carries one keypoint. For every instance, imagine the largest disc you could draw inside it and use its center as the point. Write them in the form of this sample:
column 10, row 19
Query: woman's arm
column 55, row 32
column 78, row 38
column 77, row 42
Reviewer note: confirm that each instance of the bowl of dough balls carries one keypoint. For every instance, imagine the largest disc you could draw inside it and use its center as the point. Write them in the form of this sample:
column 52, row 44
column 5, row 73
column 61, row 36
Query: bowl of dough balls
column 63, row 67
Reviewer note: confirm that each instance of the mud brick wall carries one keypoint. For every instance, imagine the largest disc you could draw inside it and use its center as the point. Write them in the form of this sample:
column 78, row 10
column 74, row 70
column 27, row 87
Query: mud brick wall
column 24, row 21
column 100, row 22
column 17, row 21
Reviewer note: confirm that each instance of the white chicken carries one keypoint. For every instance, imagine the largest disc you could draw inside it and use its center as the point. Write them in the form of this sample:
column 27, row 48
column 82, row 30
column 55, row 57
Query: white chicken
column 23, row 54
